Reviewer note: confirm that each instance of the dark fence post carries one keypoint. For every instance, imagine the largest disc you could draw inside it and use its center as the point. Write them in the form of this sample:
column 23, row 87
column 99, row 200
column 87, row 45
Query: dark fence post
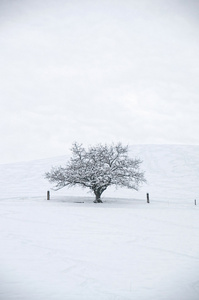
column 147, row 197
column 195, row 202
column 48, row 195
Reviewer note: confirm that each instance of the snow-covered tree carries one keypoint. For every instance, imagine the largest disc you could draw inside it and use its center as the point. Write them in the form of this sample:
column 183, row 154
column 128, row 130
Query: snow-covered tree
column 97, row 168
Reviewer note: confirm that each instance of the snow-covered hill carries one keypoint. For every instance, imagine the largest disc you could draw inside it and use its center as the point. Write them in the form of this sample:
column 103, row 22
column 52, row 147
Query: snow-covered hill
column 122, row 249
column 172, row 172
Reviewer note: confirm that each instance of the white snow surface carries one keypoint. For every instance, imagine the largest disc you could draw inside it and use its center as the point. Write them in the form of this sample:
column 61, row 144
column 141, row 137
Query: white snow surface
column 69, row 248
column 172, row 172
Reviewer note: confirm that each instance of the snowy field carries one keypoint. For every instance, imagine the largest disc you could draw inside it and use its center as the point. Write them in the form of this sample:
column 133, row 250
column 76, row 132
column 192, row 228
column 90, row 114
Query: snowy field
column 172, row 172
column 123, row 249
column 118, row 250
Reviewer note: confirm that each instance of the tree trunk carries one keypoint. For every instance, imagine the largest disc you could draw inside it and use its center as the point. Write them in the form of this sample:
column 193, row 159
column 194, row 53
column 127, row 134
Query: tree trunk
column 97, row 196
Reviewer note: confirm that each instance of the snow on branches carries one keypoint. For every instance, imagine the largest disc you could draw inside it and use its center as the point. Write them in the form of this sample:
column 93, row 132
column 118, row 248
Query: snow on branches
column 97, row 168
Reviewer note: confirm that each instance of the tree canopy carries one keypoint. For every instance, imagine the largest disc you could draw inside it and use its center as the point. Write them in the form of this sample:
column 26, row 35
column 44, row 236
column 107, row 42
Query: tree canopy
column 97, row 168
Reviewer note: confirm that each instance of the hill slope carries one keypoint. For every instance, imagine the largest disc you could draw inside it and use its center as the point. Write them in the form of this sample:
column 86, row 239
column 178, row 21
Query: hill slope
column 172, row 172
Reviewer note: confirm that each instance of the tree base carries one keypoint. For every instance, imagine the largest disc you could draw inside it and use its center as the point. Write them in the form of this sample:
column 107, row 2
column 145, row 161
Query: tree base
column 97, row 201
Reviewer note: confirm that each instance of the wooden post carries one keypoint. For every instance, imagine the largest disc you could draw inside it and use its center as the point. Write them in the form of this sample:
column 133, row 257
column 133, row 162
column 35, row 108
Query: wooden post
column 195, row 201
column 48, row 195
column 147, row 197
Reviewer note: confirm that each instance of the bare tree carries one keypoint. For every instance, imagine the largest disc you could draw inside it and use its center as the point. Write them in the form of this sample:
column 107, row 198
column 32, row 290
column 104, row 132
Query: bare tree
column 97, row 168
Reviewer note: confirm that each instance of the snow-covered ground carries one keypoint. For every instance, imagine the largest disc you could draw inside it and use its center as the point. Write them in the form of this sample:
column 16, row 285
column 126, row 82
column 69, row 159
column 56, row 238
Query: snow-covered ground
column 122, row 249
column 172, row 172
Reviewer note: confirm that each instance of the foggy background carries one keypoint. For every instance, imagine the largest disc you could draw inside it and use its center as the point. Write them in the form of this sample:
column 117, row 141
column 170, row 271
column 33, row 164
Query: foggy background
column 97, row 72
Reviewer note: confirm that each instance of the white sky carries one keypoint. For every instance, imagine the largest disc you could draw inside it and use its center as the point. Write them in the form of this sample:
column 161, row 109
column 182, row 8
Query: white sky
column 97, row 71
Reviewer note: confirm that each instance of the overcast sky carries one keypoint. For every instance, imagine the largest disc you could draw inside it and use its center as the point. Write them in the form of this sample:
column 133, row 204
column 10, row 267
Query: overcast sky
column 97, row 71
